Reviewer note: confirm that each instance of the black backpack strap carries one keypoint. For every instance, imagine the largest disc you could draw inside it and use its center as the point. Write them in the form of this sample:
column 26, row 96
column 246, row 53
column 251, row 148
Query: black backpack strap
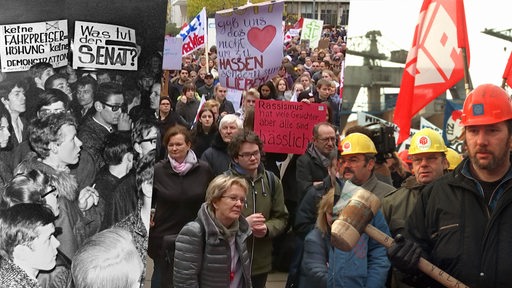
column 271, row 182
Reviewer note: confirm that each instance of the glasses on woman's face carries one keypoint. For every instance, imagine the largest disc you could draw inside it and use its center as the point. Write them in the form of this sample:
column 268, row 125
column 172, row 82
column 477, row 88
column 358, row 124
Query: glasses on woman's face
column 234, row 199
column 46, row 112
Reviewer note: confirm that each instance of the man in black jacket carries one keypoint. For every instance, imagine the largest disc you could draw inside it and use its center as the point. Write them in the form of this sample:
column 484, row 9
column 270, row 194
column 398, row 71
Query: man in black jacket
column 462, row 221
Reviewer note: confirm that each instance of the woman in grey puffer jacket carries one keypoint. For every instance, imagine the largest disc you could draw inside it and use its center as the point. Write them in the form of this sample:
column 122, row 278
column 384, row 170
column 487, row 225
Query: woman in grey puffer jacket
column 212, row 251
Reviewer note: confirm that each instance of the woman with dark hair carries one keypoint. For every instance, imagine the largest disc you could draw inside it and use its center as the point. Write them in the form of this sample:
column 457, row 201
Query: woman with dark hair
column 267, row 91
column 5, row 146
column 179, row 189
column 204, row 131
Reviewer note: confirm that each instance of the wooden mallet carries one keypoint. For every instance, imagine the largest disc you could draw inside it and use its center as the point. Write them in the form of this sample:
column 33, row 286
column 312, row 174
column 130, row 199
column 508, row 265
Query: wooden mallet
column 354, row 220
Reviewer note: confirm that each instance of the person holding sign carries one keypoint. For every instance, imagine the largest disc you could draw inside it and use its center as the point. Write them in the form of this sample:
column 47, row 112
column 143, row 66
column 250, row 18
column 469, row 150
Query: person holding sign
column 264, row 210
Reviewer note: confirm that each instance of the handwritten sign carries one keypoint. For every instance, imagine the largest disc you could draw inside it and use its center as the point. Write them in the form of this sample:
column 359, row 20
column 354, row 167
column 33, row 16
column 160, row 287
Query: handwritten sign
column 249, row 44
column 104, row 46
column 172, row 53
column 286, row 127
column 23, row 45
column 312, row 31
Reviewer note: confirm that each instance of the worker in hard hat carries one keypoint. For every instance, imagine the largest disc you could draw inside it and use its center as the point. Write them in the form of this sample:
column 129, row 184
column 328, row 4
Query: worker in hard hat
column 462, row 222
column 358, row 162
column 428, row 156
column 454, row 158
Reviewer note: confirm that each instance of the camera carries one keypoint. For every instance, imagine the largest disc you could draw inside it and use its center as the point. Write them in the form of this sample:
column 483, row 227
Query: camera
column 384, row 140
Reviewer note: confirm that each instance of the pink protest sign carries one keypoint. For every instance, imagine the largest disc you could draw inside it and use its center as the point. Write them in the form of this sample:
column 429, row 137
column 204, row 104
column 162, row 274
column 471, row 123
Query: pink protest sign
column 249, row 44
column 286, row 127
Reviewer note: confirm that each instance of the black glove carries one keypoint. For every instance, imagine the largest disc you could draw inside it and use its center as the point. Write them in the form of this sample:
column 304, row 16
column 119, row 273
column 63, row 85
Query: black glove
column 404, row 255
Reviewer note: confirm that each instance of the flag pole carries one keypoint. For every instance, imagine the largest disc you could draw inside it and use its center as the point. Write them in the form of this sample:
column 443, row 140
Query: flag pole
column 467, row 78
column 206, row 44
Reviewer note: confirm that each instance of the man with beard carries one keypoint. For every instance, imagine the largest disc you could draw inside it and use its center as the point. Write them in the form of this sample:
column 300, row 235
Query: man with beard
column 462, row 221
column 358, row 162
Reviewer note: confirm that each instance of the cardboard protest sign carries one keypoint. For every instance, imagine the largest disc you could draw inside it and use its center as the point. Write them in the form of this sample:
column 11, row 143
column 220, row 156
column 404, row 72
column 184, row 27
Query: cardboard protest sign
column 23, row 45
column 249, row 44
column 285, row 127
column 312, row 31
column 104, row 46
column 172, row 53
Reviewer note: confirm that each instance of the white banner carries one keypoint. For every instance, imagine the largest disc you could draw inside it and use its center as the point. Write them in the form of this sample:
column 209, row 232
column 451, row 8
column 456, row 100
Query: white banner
column 249, row 44
column 312, row 31
column 23, row 45
column 194, row 33
column 212, row 38
column 104, row 46
column 424, row 123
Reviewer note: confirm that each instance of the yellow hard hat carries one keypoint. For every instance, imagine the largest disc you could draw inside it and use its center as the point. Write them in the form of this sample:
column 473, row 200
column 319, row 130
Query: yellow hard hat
column 426, row 140
column 357, row 143
column 454, row 158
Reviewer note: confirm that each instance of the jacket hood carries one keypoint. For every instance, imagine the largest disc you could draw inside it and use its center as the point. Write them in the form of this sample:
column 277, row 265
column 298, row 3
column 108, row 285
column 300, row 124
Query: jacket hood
column 218, row 143
column 64, row 181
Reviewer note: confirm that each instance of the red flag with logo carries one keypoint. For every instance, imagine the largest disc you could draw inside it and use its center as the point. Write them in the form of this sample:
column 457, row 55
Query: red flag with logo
column 507, row 75
column 435, row 62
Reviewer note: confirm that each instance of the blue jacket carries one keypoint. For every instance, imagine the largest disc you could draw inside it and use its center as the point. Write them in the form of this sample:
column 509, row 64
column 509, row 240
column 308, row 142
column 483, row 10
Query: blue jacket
column 313, row 269
column 366, row 265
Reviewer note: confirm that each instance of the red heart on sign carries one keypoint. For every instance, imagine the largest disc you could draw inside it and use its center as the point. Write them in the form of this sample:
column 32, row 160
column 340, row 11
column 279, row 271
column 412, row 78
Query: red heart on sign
column 261, row 38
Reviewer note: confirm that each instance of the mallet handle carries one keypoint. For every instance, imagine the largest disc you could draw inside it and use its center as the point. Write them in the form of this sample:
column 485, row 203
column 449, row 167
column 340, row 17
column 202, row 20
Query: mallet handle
column 425, row 266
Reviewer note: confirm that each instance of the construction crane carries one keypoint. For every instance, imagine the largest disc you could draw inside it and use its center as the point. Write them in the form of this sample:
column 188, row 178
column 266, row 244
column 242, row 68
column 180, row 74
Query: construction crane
column 502, row 34
column 369, row 47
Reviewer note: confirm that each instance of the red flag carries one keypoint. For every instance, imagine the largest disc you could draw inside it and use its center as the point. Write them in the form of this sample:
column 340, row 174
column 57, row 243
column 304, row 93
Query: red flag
column 507, row 75
column 435, row 62
column 298, row 24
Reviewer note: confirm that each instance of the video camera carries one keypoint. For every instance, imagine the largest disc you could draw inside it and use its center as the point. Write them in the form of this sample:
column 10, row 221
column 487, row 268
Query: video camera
column 384, row 140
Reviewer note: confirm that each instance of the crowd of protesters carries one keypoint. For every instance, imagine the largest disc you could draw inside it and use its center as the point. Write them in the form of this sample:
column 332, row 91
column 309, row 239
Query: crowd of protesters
column 77, row 152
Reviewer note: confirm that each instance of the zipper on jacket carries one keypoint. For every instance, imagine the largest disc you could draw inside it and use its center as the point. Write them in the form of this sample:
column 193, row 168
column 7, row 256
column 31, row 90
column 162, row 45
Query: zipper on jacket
column 254, row 194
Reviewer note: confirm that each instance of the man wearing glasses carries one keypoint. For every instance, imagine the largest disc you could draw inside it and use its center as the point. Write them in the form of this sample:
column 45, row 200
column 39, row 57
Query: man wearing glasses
column 264, row 206
column 110, row 116
column 312, row 165
column 428, row 155
column 145, row 136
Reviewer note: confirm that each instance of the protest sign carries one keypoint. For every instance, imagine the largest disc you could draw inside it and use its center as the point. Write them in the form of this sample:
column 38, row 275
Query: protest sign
column 249, row 44
column 235, row 96
column 194, row 33
column 312, row 31
column 23, row 45
column 172, row 53
column 285, row 127
column 211, row 33
column 104, row 46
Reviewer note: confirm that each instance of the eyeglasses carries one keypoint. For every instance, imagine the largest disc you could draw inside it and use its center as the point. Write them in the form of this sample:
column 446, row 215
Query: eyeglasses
column 150, row 140
column 114, row 108
column 430, row 159
column 46, row 112
column 249, row 155
column 234, row 199
column 50, row 189
column 327, row 139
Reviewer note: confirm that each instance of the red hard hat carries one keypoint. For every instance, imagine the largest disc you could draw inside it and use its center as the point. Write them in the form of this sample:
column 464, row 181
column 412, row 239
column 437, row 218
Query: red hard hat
column 404, row 155
column 486, row 104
